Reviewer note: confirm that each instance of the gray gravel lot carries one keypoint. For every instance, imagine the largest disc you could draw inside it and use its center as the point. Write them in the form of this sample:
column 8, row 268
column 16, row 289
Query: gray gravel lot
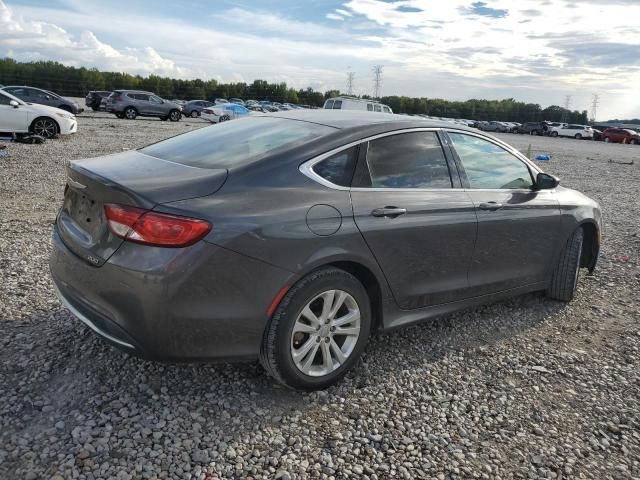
column 526, row 388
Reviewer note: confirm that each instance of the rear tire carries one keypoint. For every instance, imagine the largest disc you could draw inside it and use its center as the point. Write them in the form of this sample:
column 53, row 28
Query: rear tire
column 634, row 142
column 607, row 139
column 323, row 354
column 554, row 134
column 224, row 118
column 194, row 114
column 564, row 279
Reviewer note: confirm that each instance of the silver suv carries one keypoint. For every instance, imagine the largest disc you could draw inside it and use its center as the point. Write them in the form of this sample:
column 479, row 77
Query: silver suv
column 132, row 103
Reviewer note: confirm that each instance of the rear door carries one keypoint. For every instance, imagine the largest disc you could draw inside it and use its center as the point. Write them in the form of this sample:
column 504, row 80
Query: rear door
column 518, row 227
column 417, row 220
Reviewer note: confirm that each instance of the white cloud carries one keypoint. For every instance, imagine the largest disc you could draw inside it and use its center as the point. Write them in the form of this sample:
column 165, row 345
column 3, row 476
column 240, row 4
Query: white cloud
column 428, row 48
column 334, row 16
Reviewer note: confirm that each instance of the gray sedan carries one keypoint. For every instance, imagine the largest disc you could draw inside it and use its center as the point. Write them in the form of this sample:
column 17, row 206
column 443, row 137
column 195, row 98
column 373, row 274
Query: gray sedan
column 292, row 237
column 193, row 108
column 43, row 97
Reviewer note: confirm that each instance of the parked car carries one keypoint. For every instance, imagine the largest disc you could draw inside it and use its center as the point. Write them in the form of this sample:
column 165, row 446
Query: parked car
column 495, row 127
column 533, row 128
column 17, row 116
column 223, row 112
column 220, row 101
column 94, row 99
column 621, row 135
column 597, row 135
column 572, row 130
column 238, row 101
column 133, row 103
column 43, row 97
column 254, row 238
column 348, row 103
column 194, row 108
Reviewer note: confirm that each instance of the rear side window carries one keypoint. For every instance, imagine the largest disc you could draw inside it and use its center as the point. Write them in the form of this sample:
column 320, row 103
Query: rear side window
column 328, row 104
column 378, row 108
column 236, row 143
column 4, row 100
column 489, row 166
column 338, row 168
column 337, row 105
column 408, row 160
column 369, row 107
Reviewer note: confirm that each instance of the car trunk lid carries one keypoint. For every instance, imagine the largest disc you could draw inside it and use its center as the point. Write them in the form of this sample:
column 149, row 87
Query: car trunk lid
column 128, row 178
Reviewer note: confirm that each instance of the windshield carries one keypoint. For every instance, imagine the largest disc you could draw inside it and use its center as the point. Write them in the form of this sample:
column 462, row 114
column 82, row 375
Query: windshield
column 236, row 143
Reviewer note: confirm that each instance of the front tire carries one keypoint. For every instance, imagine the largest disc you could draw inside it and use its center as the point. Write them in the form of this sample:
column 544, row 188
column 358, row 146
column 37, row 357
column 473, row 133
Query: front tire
column 175, row 115
column 607, row 139
column 554, row 134
column 44, row 127
column 130, row 113
column 578, row 136
column 564, row 279
column 318, row 331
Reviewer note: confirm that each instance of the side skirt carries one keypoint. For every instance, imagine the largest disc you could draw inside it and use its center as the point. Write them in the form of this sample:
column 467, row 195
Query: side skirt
column 396, row 318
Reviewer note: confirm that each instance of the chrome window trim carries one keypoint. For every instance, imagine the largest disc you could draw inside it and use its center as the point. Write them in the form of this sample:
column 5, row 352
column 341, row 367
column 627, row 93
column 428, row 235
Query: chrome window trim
column 306, row 168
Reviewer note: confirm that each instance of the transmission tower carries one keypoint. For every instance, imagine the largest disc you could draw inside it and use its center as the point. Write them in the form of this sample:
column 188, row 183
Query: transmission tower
column 350, row 79
column 594, row 106
column 377, row 81
column 567, row 106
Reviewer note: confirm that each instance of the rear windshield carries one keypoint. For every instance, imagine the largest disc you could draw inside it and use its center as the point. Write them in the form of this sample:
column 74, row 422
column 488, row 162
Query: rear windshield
column 236, row 143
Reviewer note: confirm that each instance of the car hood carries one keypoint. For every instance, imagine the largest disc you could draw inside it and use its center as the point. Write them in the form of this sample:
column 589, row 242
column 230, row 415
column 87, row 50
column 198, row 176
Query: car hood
column 43, row 109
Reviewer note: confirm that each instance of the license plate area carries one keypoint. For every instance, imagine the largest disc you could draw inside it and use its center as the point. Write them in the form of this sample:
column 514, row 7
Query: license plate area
column 85, row 212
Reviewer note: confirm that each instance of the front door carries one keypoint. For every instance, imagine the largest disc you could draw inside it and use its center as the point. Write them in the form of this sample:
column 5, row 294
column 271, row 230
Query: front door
column 518, row 226
column 12, row 119
column 420, row 229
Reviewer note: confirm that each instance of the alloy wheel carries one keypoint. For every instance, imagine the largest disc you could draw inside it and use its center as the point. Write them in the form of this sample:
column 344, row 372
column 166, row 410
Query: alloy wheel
column 194, row 113
column 325, row 333
column 130, row 113
column 175, row 115
column 45, row 127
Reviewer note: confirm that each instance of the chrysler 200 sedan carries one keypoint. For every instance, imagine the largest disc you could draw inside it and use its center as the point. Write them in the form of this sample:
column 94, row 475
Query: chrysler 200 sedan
column 292, row 237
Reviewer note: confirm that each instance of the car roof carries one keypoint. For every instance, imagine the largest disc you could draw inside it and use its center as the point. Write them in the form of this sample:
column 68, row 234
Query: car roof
column 347, row 119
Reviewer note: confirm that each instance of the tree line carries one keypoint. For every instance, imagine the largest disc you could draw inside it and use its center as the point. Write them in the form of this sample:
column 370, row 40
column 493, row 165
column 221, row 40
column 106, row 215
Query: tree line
column 77, row 81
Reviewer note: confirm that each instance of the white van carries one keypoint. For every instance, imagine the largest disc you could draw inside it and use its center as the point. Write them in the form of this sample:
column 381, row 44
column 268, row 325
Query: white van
column 348, row 103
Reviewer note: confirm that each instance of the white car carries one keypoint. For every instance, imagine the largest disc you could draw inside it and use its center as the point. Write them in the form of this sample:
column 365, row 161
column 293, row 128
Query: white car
column 17, row 116
column 572, row 130
column 223, row 112
column 348, row 103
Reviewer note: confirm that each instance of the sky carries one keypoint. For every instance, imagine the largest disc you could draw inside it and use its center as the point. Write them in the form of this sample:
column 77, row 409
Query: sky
column 531, row 50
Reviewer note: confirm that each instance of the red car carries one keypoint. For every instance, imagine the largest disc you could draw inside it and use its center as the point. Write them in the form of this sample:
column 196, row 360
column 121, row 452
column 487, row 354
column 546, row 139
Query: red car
column 621, row 135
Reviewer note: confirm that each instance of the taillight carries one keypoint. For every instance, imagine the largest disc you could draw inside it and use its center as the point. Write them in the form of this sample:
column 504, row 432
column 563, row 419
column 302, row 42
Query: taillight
column 207, row 111
column 116, row 98
column 151, row 228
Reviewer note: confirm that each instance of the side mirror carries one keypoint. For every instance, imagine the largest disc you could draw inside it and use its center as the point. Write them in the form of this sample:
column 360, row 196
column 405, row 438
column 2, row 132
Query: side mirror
column 14, row 104
column 545, row 181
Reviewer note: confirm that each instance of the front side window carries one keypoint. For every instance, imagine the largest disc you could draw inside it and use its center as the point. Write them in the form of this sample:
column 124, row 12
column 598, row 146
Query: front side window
column 329, row 104
column 408, row 160
column 489, row 166
column 378, row 108
column 338, row 168
column 155, row 99
column 369, row 107
column 337, row 105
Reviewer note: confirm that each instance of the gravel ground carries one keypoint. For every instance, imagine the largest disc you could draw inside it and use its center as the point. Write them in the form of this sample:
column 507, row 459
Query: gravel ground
column 526, row 388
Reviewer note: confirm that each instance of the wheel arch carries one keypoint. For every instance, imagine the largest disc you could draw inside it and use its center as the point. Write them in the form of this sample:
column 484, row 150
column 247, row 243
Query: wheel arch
column 590, row 244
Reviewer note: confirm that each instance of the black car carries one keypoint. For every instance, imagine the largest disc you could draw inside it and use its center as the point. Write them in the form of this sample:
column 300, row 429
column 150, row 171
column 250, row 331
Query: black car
column 290, row 237
column 94, row 99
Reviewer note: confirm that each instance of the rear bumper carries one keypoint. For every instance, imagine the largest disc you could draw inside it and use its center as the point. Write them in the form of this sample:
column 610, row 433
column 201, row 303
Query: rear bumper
column 197, row 303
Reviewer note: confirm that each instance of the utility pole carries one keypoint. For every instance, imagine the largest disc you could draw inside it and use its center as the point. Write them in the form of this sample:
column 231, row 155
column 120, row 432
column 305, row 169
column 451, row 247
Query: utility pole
column 377, row 81
column 350, row 79
column 567, row 105
column 594, row 106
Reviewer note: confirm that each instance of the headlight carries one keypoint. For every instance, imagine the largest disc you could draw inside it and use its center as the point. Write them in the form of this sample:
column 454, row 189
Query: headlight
column 68, row 116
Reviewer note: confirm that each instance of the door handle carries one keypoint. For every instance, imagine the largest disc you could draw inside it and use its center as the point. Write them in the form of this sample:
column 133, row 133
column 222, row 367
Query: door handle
column 491, row 206
column 391, row 212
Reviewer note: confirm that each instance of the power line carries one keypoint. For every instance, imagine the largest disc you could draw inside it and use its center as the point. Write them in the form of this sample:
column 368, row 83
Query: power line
column 594, row 106
column 350, row 80
column 377, row 81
